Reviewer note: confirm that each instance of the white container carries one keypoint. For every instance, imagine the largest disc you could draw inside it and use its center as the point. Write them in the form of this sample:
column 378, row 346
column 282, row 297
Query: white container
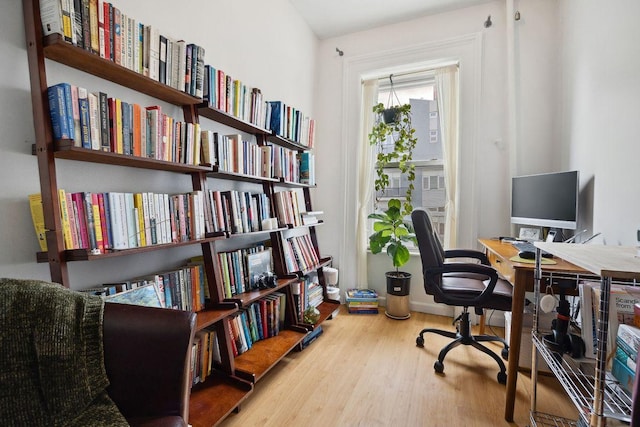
column 333, row 293
column 526, row 343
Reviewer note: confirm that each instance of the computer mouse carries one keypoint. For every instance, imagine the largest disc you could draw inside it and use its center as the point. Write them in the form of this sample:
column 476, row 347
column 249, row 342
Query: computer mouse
column 527, row 254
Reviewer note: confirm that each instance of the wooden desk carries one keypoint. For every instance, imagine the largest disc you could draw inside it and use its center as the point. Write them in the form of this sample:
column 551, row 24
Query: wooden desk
column 521, row 277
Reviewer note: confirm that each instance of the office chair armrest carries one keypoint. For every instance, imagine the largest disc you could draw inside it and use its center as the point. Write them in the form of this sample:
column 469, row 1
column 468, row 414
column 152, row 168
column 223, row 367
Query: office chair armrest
column 435, row 274
column 467, row 253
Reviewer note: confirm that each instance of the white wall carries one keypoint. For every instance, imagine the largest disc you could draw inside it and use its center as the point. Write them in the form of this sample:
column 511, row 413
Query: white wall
column 601, row 106
column 264, row 44
column 484, row 124
column 577, row 79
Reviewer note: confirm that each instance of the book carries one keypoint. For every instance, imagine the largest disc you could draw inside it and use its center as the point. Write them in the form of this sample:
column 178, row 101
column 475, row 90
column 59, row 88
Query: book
column 354, row 294
column 621, row 301
column 146, row 295
column 61, row 111
column 85, row 119
column 628, row 339
column 94, row 121
column 626, row 358
column 75, row 108
column 37, row 216
column 588, row 331
column 64, row 214
column 103, row 119
column 259, row 263
column 51, row 17
column 623, row 374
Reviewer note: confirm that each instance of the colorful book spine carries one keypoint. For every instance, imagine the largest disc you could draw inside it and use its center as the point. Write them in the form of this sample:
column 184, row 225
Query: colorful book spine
column 85, row 120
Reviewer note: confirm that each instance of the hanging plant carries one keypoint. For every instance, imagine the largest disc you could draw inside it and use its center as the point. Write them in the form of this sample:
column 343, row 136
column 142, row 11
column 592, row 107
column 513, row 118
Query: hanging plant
column 403, row 138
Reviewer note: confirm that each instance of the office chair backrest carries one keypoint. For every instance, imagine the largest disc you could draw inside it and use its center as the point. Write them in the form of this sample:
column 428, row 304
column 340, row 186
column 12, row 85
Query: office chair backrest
column 431, row 252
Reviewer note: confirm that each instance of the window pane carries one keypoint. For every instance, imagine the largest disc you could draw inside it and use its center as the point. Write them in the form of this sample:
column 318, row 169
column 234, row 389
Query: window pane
column 430, row 191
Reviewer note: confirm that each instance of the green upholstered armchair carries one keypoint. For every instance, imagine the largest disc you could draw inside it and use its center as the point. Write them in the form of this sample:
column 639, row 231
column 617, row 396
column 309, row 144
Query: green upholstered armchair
column 69, row 359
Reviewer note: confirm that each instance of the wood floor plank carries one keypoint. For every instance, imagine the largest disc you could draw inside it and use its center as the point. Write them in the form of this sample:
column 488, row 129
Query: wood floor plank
column 365, row 370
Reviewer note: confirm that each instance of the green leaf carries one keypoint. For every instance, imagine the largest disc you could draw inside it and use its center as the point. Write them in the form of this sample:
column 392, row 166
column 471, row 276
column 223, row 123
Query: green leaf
column 394, row 203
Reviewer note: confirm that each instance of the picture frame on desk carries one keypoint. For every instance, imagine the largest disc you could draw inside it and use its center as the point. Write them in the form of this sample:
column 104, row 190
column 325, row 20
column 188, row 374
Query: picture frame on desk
column 529, row 234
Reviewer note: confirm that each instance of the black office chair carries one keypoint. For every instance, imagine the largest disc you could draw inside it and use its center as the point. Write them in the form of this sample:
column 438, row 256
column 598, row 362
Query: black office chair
column 462, row 284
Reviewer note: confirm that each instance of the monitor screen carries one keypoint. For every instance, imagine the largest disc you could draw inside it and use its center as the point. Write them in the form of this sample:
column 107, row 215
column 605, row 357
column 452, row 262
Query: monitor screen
column 546, row 200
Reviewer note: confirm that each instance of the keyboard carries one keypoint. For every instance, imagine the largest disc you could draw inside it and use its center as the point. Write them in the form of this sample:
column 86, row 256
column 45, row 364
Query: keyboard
column 527, row 247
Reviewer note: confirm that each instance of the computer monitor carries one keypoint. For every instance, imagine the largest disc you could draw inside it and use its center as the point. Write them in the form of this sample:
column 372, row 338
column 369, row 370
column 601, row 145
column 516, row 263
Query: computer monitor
column 546, row 200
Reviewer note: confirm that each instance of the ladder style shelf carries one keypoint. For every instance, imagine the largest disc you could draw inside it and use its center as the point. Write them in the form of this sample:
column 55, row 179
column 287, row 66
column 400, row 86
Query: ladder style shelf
column 233, row 379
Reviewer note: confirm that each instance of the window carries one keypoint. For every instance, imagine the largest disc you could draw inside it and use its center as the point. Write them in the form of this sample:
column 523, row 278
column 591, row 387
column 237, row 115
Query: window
column 430, row 191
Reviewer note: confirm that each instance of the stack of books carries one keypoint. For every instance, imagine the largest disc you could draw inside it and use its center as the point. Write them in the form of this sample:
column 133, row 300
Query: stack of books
column 624, row 363
column 362, row 301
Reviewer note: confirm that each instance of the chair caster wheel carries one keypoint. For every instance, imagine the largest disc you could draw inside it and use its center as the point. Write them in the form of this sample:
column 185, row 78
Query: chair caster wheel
column 505, row 353
column 502, row 377
column 438, row 367
column 420, row 342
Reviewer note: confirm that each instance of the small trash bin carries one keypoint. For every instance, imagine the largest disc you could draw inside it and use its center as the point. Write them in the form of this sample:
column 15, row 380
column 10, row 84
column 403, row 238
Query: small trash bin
column 398, row 287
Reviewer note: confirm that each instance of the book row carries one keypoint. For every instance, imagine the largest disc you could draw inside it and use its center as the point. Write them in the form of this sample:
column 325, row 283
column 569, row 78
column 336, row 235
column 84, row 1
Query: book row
column 105, row 30
column 237, row 269
column 287, row 208
column 235, row 155
column 183, row 288
column 299, row 253
column 95, row 121
column 205, row 354
column 307, row 293
column 236, row 211
column 101, row 222
column 290, row 123
column 232, row 96
column 98, row 122
column 621, row 308
column 261, row 320
column 626, row 355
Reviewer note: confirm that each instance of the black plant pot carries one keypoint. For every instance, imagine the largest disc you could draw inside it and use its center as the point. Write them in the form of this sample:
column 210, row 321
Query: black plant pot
column 398, row 286
column 390, row 115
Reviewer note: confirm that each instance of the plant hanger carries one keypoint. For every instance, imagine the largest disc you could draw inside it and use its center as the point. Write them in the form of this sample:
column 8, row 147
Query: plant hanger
column 392, row 94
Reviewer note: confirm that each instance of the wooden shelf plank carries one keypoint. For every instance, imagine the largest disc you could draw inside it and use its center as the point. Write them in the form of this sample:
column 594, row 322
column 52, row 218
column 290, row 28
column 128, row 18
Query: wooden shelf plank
column 210, row 316
column 57, row 49
column 323, row 263
column 86, row 255
column 247, row 298
column 64, row 149
column 212, row 401
column 283, row 182
column 266, row 353
column 227, row 119
column 239, row 176
column 287, row 143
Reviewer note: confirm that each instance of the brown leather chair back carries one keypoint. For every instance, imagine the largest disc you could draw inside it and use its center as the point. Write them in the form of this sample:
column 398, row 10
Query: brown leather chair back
column 147, row 359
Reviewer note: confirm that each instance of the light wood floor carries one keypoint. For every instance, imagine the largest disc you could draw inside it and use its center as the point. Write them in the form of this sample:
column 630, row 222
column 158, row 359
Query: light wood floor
column 365, row 370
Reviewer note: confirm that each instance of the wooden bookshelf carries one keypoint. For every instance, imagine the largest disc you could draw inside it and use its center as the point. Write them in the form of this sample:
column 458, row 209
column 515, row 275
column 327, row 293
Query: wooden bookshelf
column 213, row 400
column 233, row 378
column 265, row 354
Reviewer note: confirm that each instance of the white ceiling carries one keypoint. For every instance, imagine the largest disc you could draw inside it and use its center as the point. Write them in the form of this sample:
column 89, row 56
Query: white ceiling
column 331, row 18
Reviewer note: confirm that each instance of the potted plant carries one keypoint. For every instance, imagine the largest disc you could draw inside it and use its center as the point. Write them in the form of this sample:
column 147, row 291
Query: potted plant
column 392, row 231
column 396, row 141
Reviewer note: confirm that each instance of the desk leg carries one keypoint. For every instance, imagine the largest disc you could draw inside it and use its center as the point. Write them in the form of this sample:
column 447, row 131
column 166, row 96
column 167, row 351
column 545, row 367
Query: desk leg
column 517, row 309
